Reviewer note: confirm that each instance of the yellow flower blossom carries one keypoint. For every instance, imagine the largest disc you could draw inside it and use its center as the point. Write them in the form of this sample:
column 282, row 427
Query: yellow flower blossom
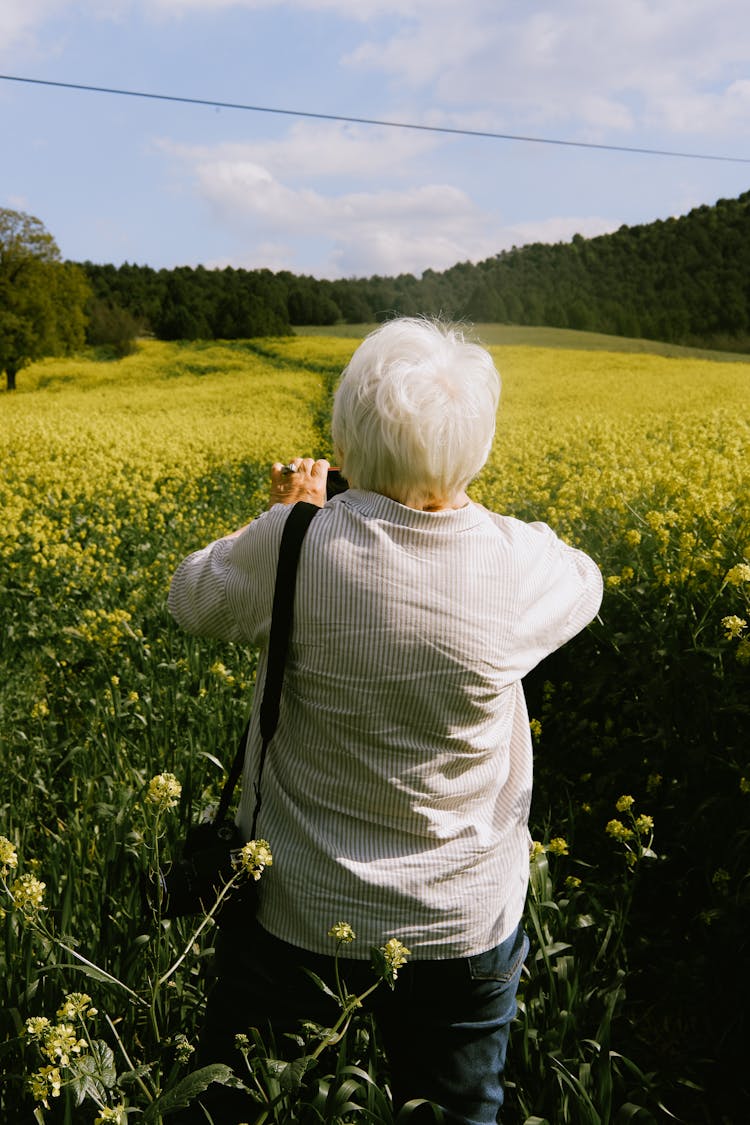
column 8, row 856
column 395, row 955
column 37, row 1027
column 734, row 626
column 342, row 932
column 738, row 574
column 644, row 823
column 75, row 1004
column 111, row 1115
column 558, row 846
column 40, row 710
column 44, row 1084
column 60, row 1042
column 164, row 791
column 537, row 849
column 624, row 803
column 536, row 729
column 617, row 830
column 254, row 857
column 28, row 894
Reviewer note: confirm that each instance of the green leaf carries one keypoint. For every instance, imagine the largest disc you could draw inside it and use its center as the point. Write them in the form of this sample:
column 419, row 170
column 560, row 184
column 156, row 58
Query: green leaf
column 187, row 1090
column 93, row 1074
column 629, row 1111
column 290, row 1078
column 322, row 985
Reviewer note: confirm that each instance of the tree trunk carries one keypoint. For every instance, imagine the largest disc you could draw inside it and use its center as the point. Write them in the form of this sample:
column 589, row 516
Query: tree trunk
column 10, row 378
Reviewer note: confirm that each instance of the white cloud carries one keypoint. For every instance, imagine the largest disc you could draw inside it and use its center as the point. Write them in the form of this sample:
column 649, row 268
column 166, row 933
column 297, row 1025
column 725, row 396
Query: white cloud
column 386, row 231
column 591, row 65
column 558, row 228
column 362, row 196
column 20, row 18
column 322, row 150
column 279, row 218
column 356, row 10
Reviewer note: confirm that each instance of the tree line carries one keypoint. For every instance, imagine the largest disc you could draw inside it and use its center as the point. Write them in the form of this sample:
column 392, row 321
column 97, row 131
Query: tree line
column 683, row 280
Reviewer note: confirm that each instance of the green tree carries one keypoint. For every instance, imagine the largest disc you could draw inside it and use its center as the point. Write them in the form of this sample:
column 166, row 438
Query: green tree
column 42, row 298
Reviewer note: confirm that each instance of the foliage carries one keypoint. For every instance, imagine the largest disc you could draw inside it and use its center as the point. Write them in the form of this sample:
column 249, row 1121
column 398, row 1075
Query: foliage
column 42, row 299
column 682, row 280
column 111, row 473
column 111, row 327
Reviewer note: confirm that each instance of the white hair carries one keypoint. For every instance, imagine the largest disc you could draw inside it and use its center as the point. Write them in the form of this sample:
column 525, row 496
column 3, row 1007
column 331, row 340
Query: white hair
column 414, row 413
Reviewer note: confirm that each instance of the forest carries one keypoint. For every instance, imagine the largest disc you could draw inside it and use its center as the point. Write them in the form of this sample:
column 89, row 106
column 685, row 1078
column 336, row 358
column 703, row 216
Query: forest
column 683, row 280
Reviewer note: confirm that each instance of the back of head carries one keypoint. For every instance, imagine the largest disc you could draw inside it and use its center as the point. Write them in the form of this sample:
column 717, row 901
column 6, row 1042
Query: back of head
column 414, row 413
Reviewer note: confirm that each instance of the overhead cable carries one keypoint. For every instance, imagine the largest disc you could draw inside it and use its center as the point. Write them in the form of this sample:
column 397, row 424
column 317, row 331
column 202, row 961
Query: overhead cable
column 445, row 129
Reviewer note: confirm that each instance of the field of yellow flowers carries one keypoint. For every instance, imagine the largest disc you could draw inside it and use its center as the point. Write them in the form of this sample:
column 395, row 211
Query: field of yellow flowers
column 633, row 1002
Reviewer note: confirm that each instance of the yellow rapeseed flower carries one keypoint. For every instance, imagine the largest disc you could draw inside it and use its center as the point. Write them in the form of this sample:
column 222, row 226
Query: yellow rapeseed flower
column 74, row 1004
column 8, row 856
column 28, row 894
column 342, row 932
column 738, row 574
column 37, row 1027
column 617, row 830
column 164, row 791
column 624, row 803
column 60, row 1043
column 111, row 1115
column 558, row 846
column 254, row 857
column 734, row 626
column 395, row 955
column 44, row 1084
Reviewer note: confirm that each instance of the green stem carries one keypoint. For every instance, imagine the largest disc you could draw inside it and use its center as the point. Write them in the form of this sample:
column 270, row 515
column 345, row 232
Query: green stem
column 205, row 921
column 128, row 1060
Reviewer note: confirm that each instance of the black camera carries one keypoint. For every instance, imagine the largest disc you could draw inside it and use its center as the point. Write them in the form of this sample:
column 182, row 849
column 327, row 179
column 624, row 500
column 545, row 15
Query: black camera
column 192, row 883
column 335, row 483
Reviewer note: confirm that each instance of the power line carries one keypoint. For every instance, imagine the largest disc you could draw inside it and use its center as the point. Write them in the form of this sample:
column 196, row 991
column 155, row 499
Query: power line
column 445, row 129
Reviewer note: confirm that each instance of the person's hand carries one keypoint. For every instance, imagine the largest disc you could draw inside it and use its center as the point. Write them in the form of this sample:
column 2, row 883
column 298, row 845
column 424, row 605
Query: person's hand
column 302, row 478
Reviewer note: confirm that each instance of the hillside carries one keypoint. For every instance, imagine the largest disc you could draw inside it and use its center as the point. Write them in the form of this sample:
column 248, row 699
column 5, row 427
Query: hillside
column 681, row 280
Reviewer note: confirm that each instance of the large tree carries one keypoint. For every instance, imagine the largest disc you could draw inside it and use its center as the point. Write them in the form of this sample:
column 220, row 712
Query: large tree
column 42, row 298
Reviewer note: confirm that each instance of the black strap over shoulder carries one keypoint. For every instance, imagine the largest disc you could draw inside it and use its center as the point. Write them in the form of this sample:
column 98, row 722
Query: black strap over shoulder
column 296, row 525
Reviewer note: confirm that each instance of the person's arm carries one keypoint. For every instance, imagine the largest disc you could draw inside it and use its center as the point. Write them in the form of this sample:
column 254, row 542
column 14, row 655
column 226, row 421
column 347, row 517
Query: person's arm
column 214, row 591
column 558, row 592
column 306, row 481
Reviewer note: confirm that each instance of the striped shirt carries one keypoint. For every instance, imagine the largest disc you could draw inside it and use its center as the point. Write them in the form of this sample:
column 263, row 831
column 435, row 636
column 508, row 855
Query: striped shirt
column 397, row 787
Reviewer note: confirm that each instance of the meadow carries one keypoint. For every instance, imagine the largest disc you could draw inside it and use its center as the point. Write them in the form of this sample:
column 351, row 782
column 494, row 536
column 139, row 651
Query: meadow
column 634, row 998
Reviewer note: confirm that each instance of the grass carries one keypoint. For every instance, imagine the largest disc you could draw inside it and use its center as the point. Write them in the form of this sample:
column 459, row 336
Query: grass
column 509, row 336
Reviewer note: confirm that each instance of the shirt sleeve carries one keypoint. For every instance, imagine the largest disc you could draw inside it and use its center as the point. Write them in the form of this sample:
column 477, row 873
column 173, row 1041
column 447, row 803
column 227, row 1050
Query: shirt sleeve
column 560, row 591
column 225, row 590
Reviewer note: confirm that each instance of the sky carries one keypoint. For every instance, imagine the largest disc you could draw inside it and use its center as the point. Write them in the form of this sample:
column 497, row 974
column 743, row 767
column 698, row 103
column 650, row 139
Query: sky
column 167, row 183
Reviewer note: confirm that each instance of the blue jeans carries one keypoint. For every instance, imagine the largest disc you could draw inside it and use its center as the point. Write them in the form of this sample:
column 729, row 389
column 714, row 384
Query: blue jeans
column 444, row 1027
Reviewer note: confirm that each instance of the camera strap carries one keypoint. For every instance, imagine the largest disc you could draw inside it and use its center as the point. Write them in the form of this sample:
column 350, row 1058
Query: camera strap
column 296, row 525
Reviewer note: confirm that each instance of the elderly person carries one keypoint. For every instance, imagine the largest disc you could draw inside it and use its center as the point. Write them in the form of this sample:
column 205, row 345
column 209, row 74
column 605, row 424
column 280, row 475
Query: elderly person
column 397, row 788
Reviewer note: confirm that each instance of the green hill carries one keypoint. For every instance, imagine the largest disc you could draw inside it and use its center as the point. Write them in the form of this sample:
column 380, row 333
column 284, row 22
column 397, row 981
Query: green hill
column 685, row 281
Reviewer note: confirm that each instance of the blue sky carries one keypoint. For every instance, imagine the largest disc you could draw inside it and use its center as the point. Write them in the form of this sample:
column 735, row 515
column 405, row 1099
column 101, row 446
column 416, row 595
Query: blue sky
column 159, row 183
